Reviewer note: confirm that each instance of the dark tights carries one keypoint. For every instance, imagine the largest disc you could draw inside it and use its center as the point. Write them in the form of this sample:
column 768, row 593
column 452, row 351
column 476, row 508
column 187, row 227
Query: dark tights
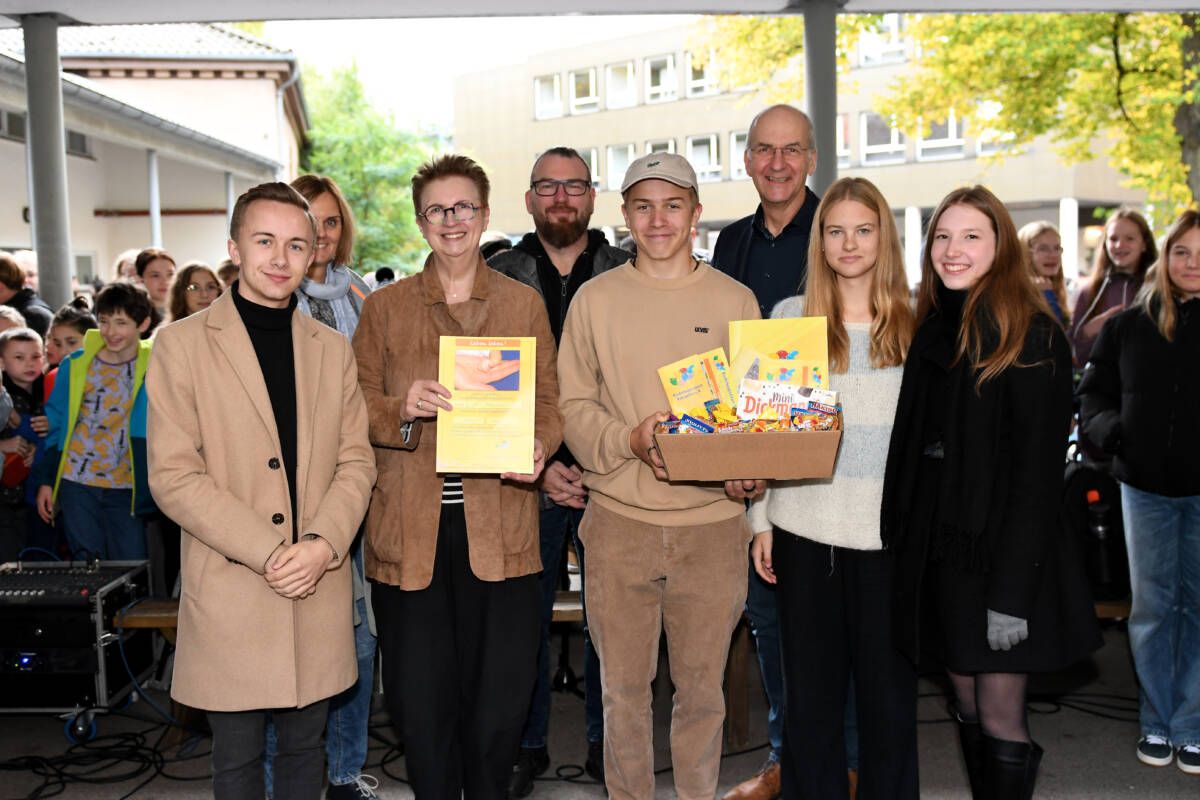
column 996, row 700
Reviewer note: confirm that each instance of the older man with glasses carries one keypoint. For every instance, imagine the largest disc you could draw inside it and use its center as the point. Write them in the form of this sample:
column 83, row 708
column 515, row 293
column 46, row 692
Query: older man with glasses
column 556, row 258
column 768, row 252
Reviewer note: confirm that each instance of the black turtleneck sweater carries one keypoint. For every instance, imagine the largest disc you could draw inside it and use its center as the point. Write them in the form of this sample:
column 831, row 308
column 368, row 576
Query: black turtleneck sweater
column 270, row 332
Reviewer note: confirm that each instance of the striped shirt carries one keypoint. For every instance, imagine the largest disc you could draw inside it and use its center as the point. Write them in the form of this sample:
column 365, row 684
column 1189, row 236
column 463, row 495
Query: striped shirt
column 452, row 491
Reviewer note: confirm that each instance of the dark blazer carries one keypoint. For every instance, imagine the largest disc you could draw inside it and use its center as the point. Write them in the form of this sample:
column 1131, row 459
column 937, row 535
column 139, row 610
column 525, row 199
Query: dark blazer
column 731, row 254
column 1139, row 398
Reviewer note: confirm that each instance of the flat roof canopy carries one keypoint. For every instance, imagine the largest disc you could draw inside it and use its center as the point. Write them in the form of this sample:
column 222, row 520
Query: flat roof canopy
column 118, row 12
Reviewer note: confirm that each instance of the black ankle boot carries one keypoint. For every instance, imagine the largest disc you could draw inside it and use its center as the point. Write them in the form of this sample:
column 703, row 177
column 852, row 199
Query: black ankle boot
column 1010, row 768
column 970, row 738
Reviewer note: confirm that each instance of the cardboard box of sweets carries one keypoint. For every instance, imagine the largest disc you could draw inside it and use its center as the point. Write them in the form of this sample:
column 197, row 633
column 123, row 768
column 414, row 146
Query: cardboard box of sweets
column 782, row 422
column 776, row 455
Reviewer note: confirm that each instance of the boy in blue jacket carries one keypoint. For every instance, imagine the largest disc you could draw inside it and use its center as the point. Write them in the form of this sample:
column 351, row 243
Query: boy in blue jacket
column 95, row 462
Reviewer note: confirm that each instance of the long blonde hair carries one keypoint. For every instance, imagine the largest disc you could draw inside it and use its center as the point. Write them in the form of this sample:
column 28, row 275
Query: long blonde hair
column 892, row 320
column 1157, row 295
column 1028, row 234
column 1004, row 299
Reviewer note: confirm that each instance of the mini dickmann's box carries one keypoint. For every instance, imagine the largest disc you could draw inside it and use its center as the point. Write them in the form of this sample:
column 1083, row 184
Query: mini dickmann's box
column 770, row 455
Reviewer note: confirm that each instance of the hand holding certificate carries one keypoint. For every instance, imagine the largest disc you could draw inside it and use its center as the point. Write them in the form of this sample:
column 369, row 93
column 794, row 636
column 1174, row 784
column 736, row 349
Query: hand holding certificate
column 489, row 428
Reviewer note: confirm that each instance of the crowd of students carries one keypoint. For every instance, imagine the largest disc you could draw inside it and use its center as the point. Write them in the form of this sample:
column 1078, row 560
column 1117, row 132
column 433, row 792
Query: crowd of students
column 936, row 540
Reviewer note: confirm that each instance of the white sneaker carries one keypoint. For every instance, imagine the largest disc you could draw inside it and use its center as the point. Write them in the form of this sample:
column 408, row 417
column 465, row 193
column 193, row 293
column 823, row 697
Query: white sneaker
column 1187, row 758
column 1155, row 750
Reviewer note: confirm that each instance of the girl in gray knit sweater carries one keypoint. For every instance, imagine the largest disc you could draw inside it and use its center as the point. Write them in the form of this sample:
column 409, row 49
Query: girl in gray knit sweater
column 819, row 540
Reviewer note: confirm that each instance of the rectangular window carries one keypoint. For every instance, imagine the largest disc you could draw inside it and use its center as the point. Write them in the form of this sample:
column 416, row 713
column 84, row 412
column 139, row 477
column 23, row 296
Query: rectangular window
column 882, row 143
column 702, row 80
column 885, row 44
column 620, row 156
column 990, row 139
column 78, row 144
column 706, row 160
column 843, row 140
column 585, row 97
column 737, row 155
column 85, row 267
column 945, row 140
column 660, row 146
column 620, row 90
column 12, row 125
column 547, row 97
column 592, row 156
column 661, row 84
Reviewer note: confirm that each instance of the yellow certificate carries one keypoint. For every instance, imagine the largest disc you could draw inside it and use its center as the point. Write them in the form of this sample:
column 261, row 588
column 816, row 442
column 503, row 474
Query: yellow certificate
column 492, row 389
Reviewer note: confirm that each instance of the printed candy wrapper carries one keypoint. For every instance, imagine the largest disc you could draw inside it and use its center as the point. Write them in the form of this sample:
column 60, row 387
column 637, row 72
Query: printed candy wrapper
column 755, row 397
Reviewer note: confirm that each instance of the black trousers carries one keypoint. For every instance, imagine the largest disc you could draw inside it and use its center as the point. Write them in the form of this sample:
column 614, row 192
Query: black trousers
column 459, row 664
column 835, row 622
column 239, row 738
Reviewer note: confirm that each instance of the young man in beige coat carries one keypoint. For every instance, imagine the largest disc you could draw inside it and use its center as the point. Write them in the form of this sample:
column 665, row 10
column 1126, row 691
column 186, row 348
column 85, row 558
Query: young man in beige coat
column 257, row 441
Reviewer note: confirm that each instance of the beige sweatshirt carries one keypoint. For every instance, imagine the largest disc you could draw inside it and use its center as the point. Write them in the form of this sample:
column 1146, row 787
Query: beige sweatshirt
column 622, row 326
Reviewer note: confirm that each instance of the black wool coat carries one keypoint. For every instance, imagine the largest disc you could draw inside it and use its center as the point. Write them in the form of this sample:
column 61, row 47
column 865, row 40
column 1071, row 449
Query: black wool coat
column 994, row 539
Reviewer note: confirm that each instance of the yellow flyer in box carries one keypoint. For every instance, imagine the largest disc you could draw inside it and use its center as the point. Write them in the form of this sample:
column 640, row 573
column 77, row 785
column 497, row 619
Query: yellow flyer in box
column 693, row 381
column 492, row 388
column 793, row 350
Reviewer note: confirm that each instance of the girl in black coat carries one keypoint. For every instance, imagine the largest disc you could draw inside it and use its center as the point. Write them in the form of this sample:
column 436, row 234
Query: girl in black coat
column 984, row 580
column 1139, row 396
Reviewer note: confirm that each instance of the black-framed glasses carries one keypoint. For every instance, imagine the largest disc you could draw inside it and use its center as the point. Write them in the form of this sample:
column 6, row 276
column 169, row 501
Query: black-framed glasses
column 462, row 212
column 790, row 151
column 548, row 188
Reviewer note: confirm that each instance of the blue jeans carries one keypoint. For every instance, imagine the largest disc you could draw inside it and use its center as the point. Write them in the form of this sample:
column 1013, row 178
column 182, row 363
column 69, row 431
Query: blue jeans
column 101, row 522
column 346, row 731
column 763, row 613
column 1163, row 538
column 556, row 523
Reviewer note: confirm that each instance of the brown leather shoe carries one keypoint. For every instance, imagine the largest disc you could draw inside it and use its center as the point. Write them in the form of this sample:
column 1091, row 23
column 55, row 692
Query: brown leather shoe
column 763, row 786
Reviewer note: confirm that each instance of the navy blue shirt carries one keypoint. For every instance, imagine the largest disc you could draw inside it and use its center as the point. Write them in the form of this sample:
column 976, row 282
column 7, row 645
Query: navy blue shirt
column 773, row 267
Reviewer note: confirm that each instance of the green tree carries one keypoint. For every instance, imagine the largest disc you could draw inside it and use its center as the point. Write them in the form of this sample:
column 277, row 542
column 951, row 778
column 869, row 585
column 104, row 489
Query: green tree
column 372, row 161
column 1128, row 82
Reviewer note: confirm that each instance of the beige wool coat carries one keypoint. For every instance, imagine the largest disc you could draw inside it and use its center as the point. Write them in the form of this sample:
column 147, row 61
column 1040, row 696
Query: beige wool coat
column 214, row 464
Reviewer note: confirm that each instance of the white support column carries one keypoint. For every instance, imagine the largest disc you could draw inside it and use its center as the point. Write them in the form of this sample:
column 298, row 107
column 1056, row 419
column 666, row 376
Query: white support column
column 912, row 245
column 820, row 86
column 1068, row 228
column 156, row 239
column 230, row 199
column 45, row 138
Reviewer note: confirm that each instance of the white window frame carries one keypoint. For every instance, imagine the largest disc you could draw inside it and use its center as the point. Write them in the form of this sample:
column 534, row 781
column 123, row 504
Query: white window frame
column 737, row 155
column 548, row 111
column 876, row 48
column 587, row 104
column 842, row 140
column 592, row 156
column 628, row 99
column 704, row 86
column 615, row 176
column 952, row 146
column 670, row 89
column 894, row 152
column 670, row 143
column 711, row 171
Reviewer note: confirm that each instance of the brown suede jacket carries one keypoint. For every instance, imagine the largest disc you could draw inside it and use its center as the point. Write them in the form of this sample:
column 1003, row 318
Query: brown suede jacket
column 396, row 344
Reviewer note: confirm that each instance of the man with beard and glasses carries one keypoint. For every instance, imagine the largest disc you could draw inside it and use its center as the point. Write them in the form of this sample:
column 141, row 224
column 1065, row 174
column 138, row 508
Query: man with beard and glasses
column 556, row 259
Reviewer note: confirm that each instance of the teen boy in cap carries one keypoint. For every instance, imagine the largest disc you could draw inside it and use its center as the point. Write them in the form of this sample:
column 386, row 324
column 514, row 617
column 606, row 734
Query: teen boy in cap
column 660, row 555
